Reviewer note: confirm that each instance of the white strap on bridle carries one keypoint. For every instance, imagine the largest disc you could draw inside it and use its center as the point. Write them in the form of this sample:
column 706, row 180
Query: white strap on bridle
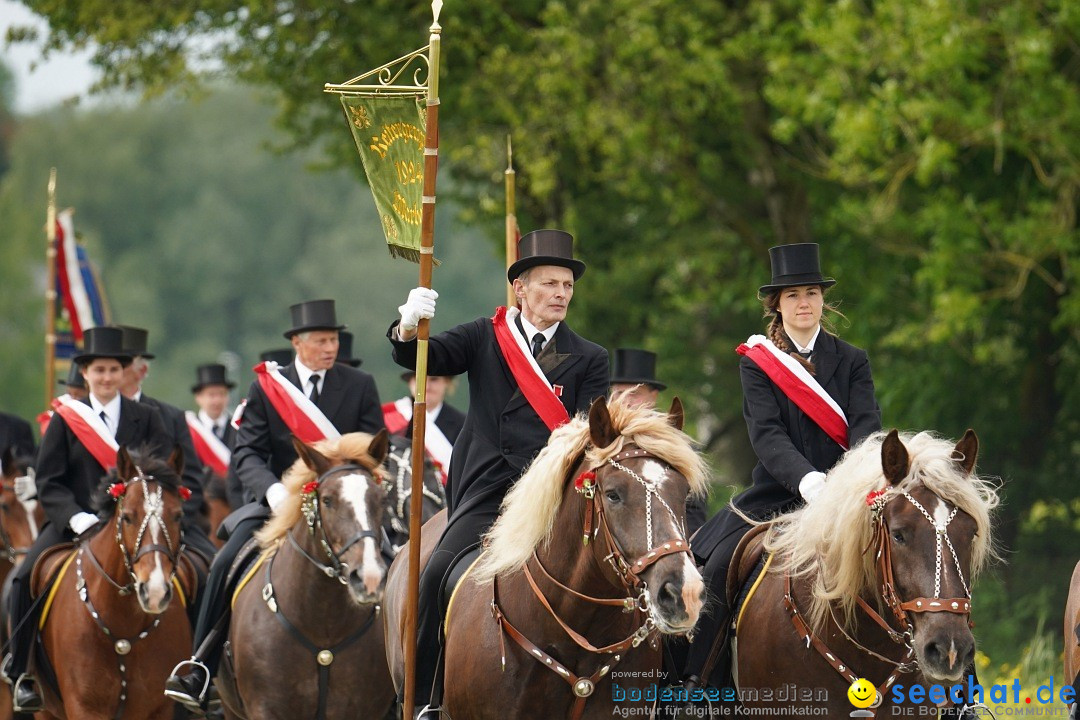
column 941, row 534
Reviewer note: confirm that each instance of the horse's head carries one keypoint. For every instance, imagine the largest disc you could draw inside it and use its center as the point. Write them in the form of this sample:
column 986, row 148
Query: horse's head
column 925, row 546
column 148, row 511
column 20, row 514
column 399, row 491
column 343, row 509
column 637, row 501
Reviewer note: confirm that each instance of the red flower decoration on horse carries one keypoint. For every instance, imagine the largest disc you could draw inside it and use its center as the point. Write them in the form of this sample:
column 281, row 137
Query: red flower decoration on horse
column 585, row 481
column 873, row 495
column 310, row 487
column 185, row 493
column 116, row 490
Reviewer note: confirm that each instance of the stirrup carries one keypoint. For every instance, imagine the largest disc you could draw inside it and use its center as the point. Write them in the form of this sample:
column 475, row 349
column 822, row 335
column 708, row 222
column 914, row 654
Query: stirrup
column 979, row 709
column 5, row 670
column 25, row 677
column 195, row 663
column 433, row 713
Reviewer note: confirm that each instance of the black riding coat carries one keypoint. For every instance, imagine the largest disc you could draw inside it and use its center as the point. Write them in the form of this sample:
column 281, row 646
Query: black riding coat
column 787, row 442
column 67, row 473
column 264, row 449
column 502, row 432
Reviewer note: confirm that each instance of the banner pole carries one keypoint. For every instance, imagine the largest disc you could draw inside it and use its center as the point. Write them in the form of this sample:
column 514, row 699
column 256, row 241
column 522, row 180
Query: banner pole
column 511, row 221
column 50, row 290
column 427, row 243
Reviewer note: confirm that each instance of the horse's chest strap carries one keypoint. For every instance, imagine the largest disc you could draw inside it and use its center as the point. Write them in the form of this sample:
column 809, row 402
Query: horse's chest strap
column 324, row 657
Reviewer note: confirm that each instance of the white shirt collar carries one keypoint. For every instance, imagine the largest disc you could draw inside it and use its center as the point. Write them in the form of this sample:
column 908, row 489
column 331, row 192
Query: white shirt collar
column 112, row 411
column 137, row 397
column 210, row 422
column 530, row 331
column 304, row 373
column 810, row 345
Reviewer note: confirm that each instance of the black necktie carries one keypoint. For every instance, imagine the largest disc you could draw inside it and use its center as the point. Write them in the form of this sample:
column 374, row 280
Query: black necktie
column 806, row 354
column 105, row 419
column 219, row 430
column 537, row 344
column 313, row 396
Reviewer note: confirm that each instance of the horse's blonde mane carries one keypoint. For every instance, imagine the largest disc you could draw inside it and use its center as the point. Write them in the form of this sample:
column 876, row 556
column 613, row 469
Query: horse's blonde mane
column 349, row 448
column 824, row 540
column 529, row 509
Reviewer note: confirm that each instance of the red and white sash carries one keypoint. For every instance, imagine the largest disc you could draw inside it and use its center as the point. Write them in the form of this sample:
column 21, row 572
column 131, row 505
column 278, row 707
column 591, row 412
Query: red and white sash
column 213, row 453
column 303, row 418
column 398, row 414
column 89, row 428
column 799, row 385
column 530, row 378
column 238, row 414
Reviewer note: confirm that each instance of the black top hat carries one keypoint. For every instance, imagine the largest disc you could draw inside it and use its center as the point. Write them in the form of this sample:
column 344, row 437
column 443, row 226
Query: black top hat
column 74, row 378
column 211, row 374
column 103, row 342
column 313, row 315
column 794, row 265
column 633, row 367
column 344, row 349
column 546, row 247
column 283, row 356
column 135, row 341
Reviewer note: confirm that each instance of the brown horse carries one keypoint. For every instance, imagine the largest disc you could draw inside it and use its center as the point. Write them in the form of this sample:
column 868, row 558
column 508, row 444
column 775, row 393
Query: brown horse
column 111, row 630
column 304, row 640
column 586, row 567
column 20, row 520
column 399, row 493
column 216, row 506
column 902, row 530
column 1072, row 635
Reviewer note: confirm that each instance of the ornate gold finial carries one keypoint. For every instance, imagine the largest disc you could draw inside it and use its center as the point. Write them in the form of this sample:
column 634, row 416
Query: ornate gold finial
column 436, row 8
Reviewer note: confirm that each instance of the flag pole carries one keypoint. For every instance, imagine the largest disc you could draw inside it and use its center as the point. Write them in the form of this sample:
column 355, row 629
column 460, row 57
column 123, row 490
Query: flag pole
column 511, row 220
column 50, row 290
column 427, row 243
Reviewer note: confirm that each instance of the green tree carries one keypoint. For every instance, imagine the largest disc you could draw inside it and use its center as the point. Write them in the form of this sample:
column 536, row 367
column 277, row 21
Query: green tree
column 930, row 147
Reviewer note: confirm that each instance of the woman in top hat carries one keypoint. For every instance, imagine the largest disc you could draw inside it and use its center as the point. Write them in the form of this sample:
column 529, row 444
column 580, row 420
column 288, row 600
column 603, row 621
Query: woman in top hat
column 793, row 451
column 68, row 474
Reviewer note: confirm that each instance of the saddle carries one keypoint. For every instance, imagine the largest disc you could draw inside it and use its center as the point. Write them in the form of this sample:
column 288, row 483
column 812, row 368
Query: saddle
column 459, row 568
column 746, row 566
column 244, row 566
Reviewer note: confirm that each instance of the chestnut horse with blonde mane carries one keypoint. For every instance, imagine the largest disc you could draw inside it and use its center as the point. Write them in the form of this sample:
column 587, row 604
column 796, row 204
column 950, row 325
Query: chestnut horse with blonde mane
column 872, row 579
column 113, row 626
column 587, row 566
column 304, row 641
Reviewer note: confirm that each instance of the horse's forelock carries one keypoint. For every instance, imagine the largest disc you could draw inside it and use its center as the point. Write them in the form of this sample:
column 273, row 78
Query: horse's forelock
column 152, row 466
column 530, row 507
column 824, row 541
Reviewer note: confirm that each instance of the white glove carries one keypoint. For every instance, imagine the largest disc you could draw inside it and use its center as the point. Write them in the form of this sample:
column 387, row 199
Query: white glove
column 811, row 485
column 25, row 487
column 275, row 495
column 80, row 522
column 419, row 306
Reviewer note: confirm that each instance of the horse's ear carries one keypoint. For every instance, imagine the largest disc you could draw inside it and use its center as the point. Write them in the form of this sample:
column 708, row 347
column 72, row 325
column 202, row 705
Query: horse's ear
column 176, row 460
column 601, row 431
column 675, row 414
column 125, row 466
column 967, row 451
column 894, row 458
column 314, row 459
column 379, row 447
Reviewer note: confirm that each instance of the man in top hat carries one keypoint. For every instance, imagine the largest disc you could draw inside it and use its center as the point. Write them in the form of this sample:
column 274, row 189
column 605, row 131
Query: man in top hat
column 15, row 434
column 214, row 437
column 135, row 343
column 329, row 392
column 211, row 392
column 444, row 421
column 70, row 465
column 528, row 373
column 75, row 384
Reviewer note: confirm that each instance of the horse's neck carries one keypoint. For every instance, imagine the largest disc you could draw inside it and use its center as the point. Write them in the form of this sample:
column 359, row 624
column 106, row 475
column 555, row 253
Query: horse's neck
column 122, row 614
column 109, row 555
column 303, row 590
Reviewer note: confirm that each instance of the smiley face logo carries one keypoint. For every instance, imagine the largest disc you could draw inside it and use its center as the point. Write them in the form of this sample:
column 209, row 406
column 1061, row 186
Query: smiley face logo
column 862, row 693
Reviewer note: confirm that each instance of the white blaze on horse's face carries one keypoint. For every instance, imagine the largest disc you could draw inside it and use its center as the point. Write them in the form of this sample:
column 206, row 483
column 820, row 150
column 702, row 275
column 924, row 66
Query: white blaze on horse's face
column 157, row 585
column 353, row 491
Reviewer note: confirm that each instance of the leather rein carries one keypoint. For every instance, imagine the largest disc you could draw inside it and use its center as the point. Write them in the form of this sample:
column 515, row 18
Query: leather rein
column 882, row 545
column 595, row 524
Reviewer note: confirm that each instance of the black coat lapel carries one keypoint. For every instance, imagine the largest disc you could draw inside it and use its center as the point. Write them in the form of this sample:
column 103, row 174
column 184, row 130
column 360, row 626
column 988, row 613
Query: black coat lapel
column 331, row 395
column 826, row 359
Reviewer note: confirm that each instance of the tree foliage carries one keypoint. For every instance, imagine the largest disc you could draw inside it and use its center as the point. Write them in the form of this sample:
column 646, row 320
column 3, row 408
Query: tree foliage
column 930, row 147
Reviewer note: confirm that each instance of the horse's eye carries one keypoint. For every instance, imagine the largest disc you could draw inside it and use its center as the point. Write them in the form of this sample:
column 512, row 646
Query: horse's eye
column 898, row 537
column 178, row 517
column 5, row 507
column 613, row 496
column 327, row 501
column 127, row 518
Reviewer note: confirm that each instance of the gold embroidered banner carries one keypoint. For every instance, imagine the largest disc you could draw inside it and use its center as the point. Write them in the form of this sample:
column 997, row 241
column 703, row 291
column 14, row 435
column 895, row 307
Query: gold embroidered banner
column 389, row 133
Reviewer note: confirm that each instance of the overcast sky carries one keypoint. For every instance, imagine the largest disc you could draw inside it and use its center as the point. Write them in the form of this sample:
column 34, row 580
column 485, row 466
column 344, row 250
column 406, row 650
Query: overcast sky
column 61, row 77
